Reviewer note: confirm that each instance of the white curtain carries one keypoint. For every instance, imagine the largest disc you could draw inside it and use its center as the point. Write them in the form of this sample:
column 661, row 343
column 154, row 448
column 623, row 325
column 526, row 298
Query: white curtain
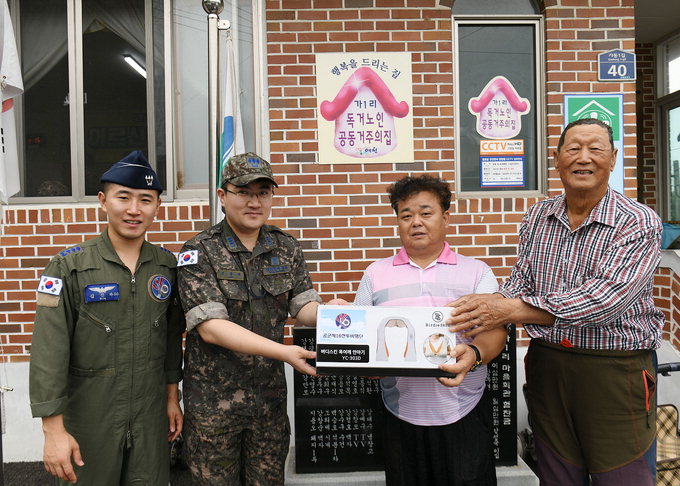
column 44, row 39
column 44, row 31
column 125, row 18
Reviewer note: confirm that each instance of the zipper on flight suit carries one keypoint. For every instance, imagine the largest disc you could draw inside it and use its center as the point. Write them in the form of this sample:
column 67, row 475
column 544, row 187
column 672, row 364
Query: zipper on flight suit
column 128, row 434
column 98, row 321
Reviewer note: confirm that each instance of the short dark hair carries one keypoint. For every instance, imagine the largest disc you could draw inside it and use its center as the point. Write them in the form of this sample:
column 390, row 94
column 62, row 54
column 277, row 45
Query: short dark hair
column 408, row 186
column 586, row 121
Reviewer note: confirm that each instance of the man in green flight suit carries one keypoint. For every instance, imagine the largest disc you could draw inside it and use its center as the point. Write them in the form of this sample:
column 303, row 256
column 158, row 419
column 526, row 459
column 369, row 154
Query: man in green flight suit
column 239, row 281
column 107, row 345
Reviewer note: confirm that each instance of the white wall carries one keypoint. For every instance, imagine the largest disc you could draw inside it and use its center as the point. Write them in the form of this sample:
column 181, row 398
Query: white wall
column 23, row 438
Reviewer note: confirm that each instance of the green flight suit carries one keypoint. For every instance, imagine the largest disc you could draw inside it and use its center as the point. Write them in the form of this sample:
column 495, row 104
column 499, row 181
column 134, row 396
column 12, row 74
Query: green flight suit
column 105, row 345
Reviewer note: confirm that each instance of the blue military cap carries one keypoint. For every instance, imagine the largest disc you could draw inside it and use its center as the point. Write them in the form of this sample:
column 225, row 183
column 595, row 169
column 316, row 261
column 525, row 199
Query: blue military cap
column 133, row 171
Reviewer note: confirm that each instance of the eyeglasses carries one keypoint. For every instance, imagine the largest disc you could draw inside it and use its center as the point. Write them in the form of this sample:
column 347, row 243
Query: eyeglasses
column 262, row 194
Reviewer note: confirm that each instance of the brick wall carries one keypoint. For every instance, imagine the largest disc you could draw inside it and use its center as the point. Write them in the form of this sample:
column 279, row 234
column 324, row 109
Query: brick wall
column 646, row 116
column 32, row 235
column 340, row 212
column 667, row 298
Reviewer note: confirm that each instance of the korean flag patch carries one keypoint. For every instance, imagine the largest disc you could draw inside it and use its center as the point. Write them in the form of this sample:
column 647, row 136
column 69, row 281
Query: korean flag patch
column 187, row 258
column 49, row 289
column 50, row 285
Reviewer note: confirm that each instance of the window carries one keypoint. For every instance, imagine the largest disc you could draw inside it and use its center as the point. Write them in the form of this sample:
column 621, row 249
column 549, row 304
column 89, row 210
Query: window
column 672, row 148
column 668, row 55
column 191, row 58
column 499, row 106
column 85, row 105
column 668, row 84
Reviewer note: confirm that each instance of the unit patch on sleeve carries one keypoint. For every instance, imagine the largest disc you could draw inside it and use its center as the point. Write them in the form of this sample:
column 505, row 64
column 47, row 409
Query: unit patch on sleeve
column 102, row 292
column 159, row 288
column 187, row 258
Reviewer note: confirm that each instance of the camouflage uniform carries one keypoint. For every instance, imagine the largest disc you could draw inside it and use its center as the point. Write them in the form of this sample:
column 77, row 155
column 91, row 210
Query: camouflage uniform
column 235, row 400
column 105, row 345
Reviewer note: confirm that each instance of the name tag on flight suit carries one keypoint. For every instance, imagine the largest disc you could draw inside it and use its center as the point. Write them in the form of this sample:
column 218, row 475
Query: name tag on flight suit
column 102, row 292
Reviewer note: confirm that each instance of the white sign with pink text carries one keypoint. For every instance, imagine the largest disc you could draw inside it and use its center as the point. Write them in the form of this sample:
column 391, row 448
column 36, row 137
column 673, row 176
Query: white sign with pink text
column 364, row 107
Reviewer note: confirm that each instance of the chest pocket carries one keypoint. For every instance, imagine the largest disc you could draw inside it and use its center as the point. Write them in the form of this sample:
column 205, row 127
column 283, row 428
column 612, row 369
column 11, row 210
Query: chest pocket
column 158, row 332
column 93, row 343
column 233, row 284
column 278, row 286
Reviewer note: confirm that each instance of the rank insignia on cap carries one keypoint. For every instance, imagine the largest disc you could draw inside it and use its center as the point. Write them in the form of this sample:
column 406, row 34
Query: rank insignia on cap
column 253, row 162
column 159, row 288
column 149, row 180
column 50, row 285
column 187, row 258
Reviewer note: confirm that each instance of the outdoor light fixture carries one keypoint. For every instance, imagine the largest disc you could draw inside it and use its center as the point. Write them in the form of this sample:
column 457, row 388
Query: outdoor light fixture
column 135, row 65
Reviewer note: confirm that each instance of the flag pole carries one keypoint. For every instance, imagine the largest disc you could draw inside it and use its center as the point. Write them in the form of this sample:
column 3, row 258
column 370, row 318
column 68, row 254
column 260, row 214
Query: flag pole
column 213, row 8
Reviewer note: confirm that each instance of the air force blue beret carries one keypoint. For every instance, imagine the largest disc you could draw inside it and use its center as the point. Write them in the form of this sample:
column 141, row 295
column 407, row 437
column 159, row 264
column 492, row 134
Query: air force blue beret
column 133, row 171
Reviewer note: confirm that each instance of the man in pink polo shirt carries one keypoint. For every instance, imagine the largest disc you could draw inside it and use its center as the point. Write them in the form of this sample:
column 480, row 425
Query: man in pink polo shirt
column 437, row 429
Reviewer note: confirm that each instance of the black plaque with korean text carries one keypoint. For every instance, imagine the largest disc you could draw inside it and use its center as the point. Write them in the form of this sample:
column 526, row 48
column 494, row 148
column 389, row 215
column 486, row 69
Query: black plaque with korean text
column 501, row 382
column 338, row 419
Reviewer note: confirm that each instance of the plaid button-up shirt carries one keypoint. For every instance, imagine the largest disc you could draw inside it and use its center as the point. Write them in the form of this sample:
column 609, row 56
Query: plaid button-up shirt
column 596, row 280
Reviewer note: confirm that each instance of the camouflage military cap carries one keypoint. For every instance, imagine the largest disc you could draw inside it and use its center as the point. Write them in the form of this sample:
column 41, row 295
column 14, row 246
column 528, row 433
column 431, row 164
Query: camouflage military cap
column 243, row 169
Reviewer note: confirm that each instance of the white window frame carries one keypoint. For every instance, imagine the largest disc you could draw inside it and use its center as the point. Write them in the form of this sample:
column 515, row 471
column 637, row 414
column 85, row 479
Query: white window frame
column 662, row 65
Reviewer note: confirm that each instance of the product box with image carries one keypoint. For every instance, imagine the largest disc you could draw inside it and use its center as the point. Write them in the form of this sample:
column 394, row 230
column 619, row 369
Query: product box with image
column 383, row 341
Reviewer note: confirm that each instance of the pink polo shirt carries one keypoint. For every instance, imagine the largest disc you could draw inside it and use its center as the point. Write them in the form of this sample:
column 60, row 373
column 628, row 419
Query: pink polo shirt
column 397, row 281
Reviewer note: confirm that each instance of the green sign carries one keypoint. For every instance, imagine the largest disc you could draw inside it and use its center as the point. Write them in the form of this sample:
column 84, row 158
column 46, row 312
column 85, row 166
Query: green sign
column 609, row 109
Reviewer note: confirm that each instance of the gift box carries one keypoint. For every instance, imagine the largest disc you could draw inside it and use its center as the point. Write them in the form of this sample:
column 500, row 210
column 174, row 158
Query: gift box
column 383, row 341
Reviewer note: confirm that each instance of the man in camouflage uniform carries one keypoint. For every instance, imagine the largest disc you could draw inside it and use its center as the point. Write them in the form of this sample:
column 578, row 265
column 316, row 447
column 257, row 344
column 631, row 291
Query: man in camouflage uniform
column 239, row 281
column 107, row 346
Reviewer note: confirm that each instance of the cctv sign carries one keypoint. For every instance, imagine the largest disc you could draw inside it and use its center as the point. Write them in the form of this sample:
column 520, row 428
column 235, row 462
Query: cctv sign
column 501, row 147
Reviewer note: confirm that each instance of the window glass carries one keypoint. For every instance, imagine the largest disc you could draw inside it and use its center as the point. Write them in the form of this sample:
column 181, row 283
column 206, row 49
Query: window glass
column 673, row 137
column 497, row 142
column 115, row 105
column 46, row 131
column 191, row 60
column 118, row 103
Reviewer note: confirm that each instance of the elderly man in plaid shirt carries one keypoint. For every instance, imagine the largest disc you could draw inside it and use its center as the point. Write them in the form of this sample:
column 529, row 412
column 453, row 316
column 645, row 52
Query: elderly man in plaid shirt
column 582, row 288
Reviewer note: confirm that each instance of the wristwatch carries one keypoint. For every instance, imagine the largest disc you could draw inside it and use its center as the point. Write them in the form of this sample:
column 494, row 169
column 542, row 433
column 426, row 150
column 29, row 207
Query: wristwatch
column 478, row 357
